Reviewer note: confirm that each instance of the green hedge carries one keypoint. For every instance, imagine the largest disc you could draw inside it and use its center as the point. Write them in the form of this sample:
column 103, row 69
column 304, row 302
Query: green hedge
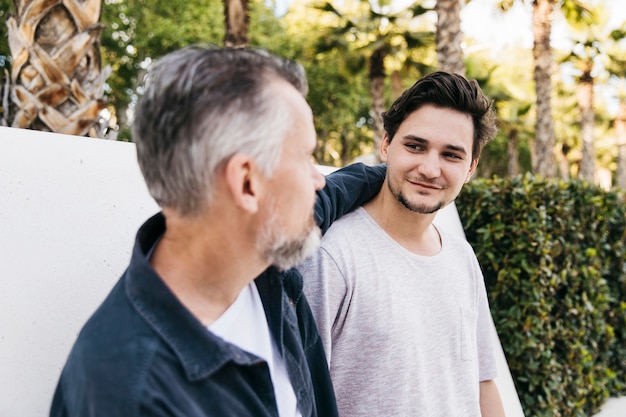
column 554, row 257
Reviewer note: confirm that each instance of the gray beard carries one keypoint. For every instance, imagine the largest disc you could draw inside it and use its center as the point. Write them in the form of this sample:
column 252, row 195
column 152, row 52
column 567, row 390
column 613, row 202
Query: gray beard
column 285, row 253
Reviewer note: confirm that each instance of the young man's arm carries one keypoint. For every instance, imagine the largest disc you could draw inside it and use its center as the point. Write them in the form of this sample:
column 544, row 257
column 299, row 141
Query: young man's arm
column 345, row 190
column 490, row 402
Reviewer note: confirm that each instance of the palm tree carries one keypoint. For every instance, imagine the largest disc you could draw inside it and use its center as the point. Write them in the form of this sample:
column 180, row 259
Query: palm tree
column 620, row 141
column 377, row 91
column 449, row 36
column 375, row 30
column 583, row 56
column 589, row 50
column 5, row 8
column 512, row 125
column 543, row 156
column 56, row 79
column 618, row 71
column 616, row 67
column 544, row 162
column 507, row 154
column 237, row 21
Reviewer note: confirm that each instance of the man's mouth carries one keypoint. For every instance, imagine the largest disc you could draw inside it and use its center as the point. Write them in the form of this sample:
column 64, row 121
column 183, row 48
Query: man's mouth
column 427, row 184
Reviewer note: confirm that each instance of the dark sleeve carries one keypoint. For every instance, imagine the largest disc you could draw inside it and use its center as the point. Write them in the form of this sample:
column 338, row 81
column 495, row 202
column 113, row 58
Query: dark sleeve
column 346, row 189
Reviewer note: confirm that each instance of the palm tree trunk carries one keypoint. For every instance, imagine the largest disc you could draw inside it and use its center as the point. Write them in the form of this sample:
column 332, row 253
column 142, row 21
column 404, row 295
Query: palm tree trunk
column 5, row 88
column 620, row 139
column 585, row 105
column 449, row 36
column 512, row 160
column 237, row 21
column 396, row 85
column 543, row 154
column 377, row 92
column 564, row 164
column 56, row 80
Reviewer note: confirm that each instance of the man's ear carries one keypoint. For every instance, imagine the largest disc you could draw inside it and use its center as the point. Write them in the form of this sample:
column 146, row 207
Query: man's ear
column 384, row 147
column 243, row 180
column 471, row 171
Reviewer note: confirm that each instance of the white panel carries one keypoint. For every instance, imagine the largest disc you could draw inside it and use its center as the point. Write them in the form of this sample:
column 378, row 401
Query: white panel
column 69, row 210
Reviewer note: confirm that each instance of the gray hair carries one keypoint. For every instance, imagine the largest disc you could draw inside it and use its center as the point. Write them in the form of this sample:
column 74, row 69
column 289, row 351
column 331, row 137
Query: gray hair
column 200, row 107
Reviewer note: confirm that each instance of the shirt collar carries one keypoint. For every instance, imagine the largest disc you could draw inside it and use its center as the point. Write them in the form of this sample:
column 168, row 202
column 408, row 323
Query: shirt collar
column 200, row 352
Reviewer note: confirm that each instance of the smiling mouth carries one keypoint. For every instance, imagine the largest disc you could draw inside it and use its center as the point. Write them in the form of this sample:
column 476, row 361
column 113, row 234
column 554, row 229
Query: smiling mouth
column 428, row 185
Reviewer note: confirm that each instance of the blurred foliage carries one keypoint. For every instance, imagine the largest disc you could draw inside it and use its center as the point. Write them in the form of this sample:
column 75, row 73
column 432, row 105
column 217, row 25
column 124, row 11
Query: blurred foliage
column 6, row 8
column 334, row 40
column 139, row 31
column 512, row 105
column 554, row 258
column 340, row 54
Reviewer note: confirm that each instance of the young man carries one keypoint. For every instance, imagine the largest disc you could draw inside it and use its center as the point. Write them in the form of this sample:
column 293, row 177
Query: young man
column 400, row 304
column 209, row 319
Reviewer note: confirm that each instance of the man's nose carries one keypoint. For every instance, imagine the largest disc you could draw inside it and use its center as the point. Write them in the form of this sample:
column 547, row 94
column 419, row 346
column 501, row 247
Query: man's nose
column 430, row 165
column 319, row 180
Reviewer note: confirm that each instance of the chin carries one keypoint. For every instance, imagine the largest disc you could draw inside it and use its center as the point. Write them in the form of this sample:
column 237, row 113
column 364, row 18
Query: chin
column 420, row 207
column 289, row 253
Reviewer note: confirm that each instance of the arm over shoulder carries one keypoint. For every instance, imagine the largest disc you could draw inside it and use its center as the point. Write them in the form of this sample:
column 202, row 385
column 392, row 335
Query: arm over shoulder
column 345, row 190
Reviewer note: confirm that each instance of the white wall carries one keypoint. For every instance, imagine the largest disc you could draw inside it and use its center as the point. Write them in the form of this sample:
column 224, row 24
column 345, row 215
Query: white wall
column 69, row 211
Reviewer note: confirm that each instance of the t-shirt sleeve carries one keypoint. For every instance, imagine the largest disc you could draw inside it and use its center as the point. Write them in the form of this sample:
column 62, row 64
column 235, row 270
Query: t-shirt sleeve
column 485, row 332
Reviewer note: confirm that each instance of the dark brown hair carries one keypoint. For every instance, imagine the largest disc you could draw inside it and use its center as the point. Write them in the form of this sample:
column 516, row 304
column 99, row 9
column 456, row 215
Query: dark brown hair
column 446, row 90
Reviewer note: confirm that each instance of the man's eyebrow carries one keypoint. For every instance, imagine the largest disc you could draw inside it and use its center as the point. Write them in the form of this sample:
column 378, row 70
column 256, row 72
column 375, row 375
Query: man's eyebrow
column 455, row 148
column 459, row 149
column 415, row 138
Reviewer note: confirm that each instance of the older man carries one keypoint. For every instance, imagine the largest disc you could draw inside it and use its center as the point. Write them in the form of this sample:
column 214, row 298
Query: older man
column 209, row 319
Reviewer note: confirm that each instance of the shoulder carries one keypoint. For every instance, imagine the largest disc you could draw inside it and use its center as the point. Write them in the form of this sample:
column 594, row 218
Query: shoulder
column 345, row 250
column 111, row 357
column 349, row 228
column 115, row 323
column 458, row 248
column 347, row 220
column 455, row 241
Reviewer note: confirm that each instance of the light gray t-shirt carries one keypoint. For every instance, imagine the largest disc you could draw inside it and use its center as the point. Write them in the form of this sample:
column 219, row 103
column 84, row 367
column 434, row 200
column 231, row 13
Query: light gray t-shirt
column 405, row 335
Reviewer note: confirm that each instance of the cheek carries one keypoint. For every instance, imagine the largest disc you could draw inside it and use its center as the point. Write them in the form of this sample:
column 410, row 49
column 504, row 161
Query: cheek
column 462, row 179
column 302, row 190
column 405, row 160
column 469, row 171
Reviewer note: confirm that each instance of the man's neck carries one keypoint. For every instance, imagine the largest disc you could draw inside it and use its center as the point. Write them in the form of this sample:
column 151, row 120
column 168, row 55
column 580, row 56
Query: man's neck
column 414, row 231
column 205, row 264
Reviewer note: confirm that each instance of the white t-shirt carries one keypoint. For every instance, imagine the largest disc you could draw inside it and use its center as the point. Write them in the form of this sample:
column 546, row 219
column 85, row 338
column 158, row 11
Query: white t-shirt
column 405, row 335
column 245, row 326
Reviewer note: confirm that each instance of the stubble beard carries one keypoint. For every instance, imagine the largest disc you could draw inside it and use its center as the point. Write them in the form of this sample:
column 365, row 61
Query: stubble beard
column 414, row 207
column 283, row 252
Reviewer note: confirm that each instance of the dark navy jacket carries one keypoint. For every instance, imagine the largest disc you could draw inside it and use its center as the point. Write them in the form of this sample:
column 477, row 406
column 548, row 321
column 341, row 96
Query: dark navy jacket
column 142, row 353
